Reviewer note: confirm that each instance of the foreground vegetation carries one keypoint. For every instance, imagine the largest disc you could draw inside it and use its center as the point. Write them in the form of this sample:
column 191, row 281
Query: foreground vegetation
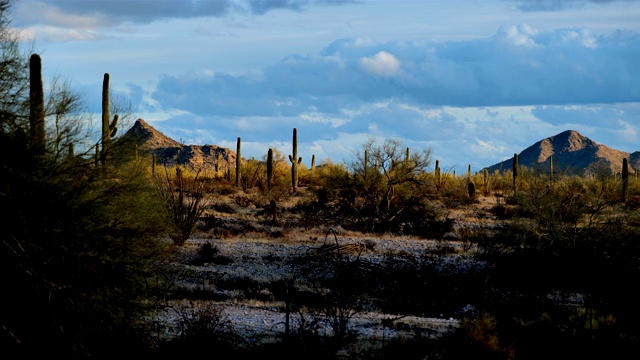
column 92, row 245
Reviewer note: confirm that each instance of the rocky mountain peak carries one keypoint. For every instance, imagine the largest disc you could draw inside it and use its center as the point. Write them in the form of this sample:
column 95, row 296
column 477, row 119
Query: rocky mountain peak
column 170, row 152
column 148, row 138
column 572, row 153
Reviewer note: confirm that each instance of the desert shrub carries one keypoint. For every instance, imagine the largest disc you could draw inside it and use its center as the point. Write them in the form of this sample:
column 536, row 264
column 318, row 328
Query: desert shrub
column 389, row 191
column 331, row 176
column 455, row 193
column 206, row 254
column 91, row 242
column 572, row 237
column 477, row 337
column 419, row 284
column 202, row 328
column 186, row 197
column 221, row 207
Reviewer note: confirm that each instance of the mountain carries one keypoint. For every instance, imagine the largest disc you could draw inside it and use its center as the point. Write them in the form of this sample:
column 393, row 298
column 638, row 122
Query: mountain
column 572, row 153
column 170, row 152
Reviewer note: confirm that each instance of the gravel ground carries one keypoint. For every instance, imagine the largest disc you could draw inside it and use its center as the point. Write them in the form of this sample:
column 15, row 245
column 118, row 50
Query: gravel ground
column 266, row 261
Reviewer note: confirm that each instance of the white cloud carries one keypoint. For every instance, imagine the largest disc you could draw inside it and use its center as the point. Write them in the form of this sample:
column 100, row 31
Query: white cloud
column 33, row 12
column 521, row 35
column 628, row 132
column 321, row 118
column 56, row 34
column 487, row 150
column 382, row 63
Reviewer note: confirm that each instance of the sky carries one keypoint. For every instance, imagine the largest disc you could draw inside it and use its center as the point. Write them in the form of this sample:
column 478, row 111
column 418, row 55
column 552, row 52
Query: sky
column 474, row 81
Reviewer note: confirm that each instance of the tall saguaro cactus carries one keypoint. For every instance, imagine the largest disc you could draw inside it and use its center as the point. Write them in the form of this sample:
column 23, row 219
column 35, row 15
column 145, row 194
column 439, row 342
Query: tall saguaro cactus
column 515, row 172
column 269, row 168
column 295, row 161
column 109, row 129
column 625, row 179
column 365, row 165
column 485, row 177
column 551, row 171
column 36, row 104
column 238, row 160
column 437, row 174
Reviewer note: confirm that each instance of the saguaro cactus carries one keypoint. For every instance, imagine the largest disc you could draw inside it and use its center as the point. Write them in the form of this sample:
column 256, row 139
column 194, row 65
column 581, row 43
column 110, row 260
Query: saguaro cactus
column 313, row 162
column 70, row 152
column 269, row 168
column 471, row 189
column 551, row 171
column 515, row 172
column 295, row 161
column 36, row 104
column 109, row 129
column 365, row 165
column 238, row 160
column 625, row 178
column 437, row 173
column 485, row 178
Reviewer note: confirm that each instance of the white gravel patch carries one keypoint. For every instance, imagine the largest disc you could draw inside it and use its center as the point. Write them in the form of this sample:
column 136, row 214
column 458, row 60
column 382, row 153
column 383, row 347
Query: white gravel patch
column 267, row 260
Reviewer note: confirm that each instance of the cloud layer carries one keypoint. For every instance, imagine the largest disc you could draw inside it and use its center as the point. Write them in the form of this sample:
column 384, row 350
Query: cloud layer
column 522, row 77
column 474, row 98
column 516, row 66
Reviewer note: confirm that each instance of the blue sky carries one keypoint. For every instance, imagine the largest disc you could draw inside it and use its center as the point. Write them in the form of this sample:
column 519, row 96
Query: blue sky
column 475, row 81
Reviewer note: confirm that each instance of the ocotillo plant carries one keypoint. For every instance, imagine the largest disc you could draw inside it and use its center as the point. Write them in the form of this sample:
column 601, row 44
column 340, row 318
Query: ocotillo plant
column 36, row 104
column 238, row 160
column 625, row 179
column 295, row 161
column 269, row 168
column 515, row 172
column 109, row 129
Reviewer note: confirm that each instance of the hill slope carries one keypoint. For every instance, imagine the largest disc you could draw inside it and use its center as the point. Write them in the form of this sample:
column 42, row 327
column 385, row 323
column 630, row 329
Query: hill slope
column 170, row 152
column 572, row 153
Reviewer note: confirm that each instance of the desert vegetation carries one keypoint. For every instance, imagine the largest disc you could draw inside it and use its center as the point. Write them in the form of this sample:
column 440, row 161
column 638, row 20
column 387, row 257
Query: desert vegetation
column 104, row 252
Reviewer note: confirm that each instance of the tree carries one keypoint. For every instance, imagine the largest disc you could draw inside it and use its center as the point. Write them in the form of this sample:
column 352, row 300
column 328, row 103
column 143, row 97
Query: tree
column 391, row 167
column 389, row 188
column 14, row 82
column 79, row 252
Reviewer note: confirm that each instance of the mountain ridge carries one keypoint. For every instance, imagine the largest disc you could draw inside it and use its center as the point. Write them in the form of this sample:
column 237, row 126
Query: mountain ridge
column 170, row 152
column 572, row 153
